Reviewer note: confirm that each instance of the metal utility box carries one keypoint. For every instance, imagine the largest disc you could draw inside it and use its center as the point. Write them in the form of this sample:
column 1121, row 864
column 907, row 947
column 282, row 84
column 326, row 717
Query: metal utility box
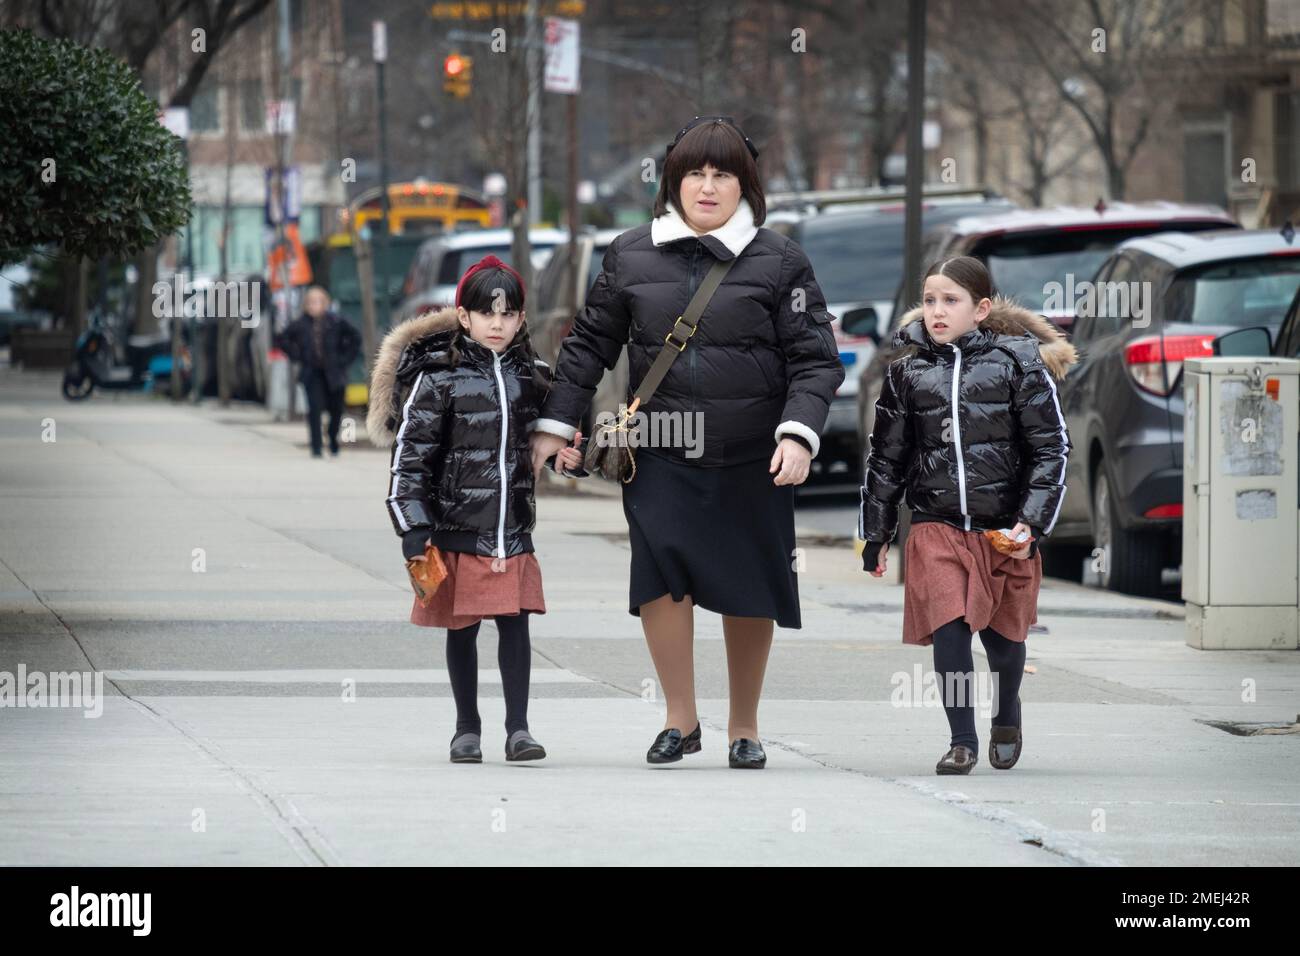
column 1241, row 543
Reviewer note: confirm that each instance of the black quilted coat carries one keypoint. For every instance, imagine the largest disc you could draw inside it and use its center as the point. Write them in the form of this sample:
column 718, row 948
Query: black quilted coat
column 762, row 365
column 461, row 471
column 972, row 431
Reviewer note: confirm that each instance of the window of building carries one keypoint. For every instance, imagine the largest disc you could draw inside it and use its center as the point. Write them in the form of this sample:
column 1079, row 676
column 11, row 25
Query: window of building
column 252, row 103
column 205, row 109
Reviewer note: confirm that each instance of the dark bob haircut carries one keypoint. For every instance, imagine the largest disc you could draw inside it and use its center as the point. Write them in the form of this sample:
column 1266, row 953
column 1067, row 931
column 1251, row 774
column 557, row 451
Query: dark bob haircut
column 717, row 145
column 480, row 293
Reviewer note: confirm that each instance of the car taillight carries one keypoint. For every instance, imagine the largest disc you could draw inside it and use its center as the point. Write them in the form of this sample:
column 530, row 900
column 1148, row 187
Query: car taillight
column 1155, row 361
column 1165, row 511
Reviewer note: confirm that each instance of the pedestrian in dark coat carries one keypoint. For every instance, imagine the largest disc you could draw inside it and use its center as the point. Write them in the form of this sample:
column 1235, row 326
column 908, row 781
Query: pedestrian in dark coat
column 710, row 514
column 969, row 427
column 324, row 344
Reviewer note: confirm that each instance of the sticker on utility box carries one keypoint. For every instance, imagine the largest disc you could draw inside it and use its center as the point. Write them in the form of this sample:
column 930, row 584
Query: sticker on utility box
column 1252, row 431
column 1257, row 504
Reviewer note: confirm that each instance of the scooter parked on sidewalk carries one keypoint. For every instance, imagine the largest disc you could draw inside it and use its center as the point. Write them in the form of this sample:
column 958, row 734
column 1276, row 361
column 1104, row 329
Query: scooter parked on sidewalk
column 95, row 364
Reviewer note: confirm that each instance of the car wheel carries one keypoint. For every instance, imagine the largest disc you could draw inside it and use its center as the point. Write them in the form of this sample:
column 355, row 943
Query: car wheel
column 1064, row 561
column 1131, row 560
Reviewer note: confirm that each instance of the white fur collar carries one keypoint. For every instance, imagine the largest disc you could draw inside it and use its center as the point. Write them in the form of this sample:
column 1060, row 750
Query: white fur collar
column 736, row 233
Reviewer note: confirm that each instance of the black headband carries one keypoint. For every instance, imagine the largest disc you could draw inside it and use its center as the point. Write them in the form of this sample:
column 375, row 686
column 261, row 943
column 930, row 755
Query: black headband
column 753, row 150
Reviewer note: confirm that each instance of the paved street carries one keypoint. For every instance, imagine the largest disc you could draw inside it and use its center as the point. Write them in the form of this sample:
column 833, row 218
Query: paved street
column 268, row 703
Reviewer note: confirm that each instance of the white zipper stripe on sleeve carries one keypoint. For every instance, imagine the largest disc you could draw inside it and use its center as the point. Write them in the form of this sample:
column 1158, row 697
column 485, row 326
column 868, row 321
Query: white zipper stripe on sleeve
column 397, row 455
column 501, row 458
column 1064, row 458
column 956, row 431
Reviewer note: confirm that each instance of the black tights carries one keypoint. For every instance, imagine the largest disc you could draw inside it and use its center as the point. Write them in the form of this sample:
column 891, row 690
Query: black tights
column 955, row 670
column 514, row 657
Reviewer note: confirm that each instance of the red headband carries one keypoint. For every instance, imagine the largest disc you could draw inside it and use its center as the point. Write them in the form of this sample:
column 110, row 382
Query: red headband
column 487, row 262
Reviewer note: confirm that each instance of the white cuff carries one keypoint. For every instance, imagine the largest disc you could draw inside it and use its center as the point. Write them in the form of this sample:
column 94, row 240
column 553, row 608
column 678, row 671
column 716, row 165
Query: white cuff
column 553, row 426
column 803, row 431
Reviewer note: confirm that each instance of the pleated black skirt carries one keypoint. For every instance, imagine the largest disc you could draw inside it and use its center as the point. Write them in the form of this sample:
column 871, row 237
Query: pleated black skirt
column 725, row 536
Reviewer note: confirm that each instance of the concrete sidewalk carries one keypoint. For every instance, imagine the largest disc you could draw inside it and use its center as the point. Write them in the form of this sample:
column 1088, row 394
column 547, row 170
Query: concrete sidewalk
column 267, row 701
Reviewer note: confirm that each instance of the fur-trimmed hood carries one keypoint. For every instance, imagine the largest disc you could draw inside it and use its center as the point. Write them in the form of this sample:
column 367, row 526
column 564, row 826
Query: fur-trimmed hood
column 384, row 375
column 1008, row 318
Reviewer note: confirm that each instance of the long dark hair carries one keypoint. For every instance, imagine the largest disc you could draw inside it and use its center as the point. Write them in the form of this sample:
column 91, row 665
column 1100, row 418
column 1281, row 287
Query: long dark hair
column 490, row 290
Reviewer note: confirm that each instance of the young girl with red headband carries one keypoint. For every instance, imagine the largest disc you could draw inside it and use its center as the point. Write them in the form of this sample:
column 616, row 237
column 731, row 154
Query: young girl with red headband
column 457, row 392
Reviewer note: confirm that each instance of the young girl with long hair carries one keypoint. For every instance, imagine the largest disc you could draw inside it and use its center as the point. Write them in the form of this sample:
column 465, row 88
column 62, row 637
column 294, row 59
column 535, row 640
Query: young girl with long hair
column 969, row 428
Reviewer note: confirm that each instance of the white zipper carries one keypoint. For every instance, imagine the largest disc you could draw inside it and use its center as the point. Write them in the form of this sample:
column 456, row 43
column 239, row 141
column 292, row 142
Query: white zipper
column 956, row 431
column 501, row 458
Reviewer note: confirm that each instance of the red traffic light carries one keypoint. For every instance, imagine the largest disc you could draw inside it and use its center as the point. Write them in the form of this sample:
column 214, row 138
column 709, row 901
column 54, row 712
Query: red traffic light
column 454, row 65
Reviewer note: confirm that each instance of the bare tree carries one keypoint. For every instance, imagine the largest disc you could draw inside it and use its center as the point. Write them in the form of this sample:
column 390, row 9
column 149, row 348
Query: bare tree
column 970, row 36
column 867, row 84
column 1103, row 59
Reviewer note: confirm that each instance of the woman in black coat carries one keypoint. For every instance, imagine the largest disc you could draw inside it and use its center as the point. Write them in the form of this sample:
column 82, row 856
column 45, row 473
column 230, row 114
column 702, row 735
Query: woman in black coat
column 711, row 512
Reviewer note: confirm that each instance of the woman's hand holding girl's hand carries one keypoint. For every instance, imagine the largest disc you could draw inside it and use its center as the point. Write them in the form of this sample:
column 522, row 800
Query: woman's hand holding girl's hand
column 544, row 445
column 1015, row 533
column 793, row 460
column 570, row 456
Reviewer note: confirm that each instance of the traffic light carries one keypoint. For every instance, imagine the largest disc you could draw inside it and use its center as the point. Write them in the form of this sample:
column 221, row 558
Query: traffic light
column 457, row 74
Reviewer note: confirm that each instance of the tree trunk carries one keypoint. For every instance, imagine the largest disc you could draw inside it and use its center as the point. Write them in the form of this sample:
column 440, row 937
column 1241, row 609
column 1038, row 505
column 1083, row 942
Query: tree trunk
column 146, row 265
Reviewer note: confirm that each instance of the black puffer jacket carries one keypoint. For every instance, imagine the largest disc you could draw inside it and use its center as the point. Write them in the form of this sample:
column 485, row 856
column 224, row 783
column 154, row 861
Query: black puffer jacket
column 762, row 365
column 342, row 345
column 460, row 475
column 971, row 431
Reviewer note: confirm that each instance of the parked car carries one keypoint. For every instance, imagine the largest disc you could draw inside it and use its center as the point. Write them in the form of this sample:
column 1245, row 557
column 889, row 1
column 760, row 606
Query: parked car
column 1123, row 402
column 442, row 260
column 1028, row 249
column 1025, row 251
column 553, row 308
column 857, row 256
column 1261, row 340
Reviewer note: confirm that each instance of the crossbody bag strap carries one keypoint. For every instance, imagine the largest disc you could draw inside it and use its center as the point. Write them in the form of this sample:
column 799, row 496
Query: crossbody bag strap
column 680, row 334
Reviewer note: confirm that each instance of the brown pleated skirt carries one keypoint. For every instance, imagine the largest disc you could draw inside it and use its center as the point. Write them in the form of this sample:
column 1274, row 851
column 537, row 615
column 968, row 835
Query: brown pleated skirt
column 472, row 591
column 953, row 573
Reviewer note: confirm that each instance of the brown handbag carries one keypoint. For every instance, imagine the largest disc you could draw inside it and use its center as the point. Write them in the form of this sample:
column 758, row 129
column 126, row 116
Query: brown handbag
column 426, row 575
column 610, row 455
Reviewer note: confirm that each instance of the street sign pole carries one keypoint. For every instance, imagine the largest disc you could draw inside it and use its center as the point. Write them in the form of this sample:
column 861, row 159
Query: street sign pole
column 915, row 180
column 380, row 38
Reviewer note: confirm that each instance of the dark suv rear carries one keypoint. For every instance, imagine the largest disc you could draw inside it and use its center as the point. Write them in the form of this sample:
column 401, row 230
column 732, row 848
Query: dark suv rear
column 1123, row 401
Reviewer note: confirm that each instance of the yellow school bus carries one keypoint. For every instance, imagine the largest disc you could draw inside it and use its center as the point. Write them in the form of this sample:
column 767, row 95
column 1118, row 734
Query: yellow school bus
column 420, row 208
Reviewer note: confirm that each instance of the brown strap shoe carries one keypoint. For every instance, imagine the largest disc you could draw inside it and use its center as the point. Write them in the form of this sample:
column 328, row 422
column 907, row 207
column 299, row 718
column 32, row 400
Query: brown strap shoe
column 959, row 759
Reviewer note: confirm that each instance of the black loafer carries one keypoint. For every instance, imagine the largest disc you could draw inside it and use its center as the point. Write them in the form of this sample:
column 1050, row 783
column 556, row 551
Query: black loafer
column 746, row 754
column 670, row 745
column 465, row 749
column 958, row 760
column 1005, row 744
column 521, row 746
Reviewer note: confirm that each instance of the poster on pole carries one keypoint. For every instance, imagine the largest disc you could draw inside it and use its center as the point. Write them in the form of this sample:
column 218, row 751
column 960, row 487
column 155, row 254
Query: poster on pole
column 273, row 208
column 561, row 55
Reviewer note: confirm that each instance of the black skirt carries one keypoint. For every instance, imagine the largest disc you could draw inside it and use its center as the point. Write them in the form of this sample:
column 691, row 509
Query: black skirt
column 725, row 536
